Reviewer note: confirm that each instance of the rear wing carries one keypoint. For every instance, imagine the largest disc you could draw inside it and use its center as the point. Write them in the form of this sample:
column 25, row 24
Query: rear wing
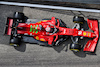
column 8, row 28
column 91, row 44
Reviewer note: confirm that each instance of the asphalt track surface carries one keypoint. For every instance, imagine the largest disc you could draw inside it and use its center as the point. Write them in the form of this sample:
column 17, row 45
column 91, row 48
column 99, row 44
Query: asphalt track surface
column 88, row 4
column 73, row 1
column 32, row 55
column 79, row 1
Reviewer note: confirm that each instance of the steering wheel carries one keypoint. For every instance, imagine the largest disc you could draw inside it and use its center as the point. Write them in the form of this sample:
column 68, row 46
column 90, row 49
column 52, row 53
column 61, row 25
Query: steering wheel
column 55, row 29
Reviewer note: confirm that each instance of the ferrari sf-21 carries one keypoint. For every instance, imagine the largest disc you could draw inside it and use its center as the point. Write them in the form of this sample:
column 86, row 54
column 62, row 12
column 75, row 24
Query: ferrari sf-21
column 51, row 32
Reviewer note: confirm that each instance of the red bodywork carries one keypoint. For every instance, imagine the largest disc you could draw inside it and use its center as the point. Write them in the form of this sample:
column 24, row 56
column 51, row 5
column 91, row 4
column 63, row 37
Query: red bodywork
column 42, row 35
column 91, row 44
column 9, row 25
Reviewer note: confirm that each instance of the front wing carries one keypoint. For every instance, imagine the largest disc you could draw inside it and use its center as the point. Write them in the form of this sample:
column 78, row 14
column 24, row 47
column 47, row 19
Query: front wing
column 91, row 44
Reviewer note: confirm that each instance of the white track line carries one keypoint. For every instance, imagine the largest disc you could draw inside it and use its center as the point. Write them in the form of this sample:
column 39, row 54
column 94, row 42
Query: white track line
column 49, row 7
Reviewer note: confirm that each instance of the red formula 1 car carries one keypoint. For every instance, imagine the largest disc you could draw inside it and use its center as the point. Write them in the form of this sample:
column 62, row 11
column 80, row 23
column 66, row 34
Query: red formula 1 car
column 51, row 31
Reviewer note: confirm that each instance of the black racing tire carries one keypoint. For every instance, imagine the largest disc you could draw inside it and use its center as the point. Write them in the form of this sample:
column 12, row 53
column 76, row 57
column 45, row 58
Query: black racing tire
column 14, row 41
column 75, row 47
column 78, row 19
column 19, row 15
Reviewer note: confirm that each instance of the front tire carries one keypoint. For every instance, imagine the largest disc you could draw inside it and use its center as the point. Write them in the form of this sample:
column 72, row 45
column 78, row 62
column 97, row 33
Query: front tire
column 75, row 47
column 78, row 19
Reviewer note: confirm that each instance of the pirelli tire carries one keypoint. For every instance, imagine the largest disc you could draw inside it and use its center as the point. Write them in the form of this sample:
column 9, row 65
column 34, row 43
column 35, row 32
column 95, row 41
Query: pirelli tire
column 19, row 15
column 78, row 19
column 75, row 47
column 15, row 42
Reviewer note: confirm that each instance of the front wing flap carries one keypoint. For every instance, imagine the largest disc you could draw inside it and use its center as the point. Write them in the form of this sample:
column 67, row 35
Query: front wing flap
column 91, row 44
